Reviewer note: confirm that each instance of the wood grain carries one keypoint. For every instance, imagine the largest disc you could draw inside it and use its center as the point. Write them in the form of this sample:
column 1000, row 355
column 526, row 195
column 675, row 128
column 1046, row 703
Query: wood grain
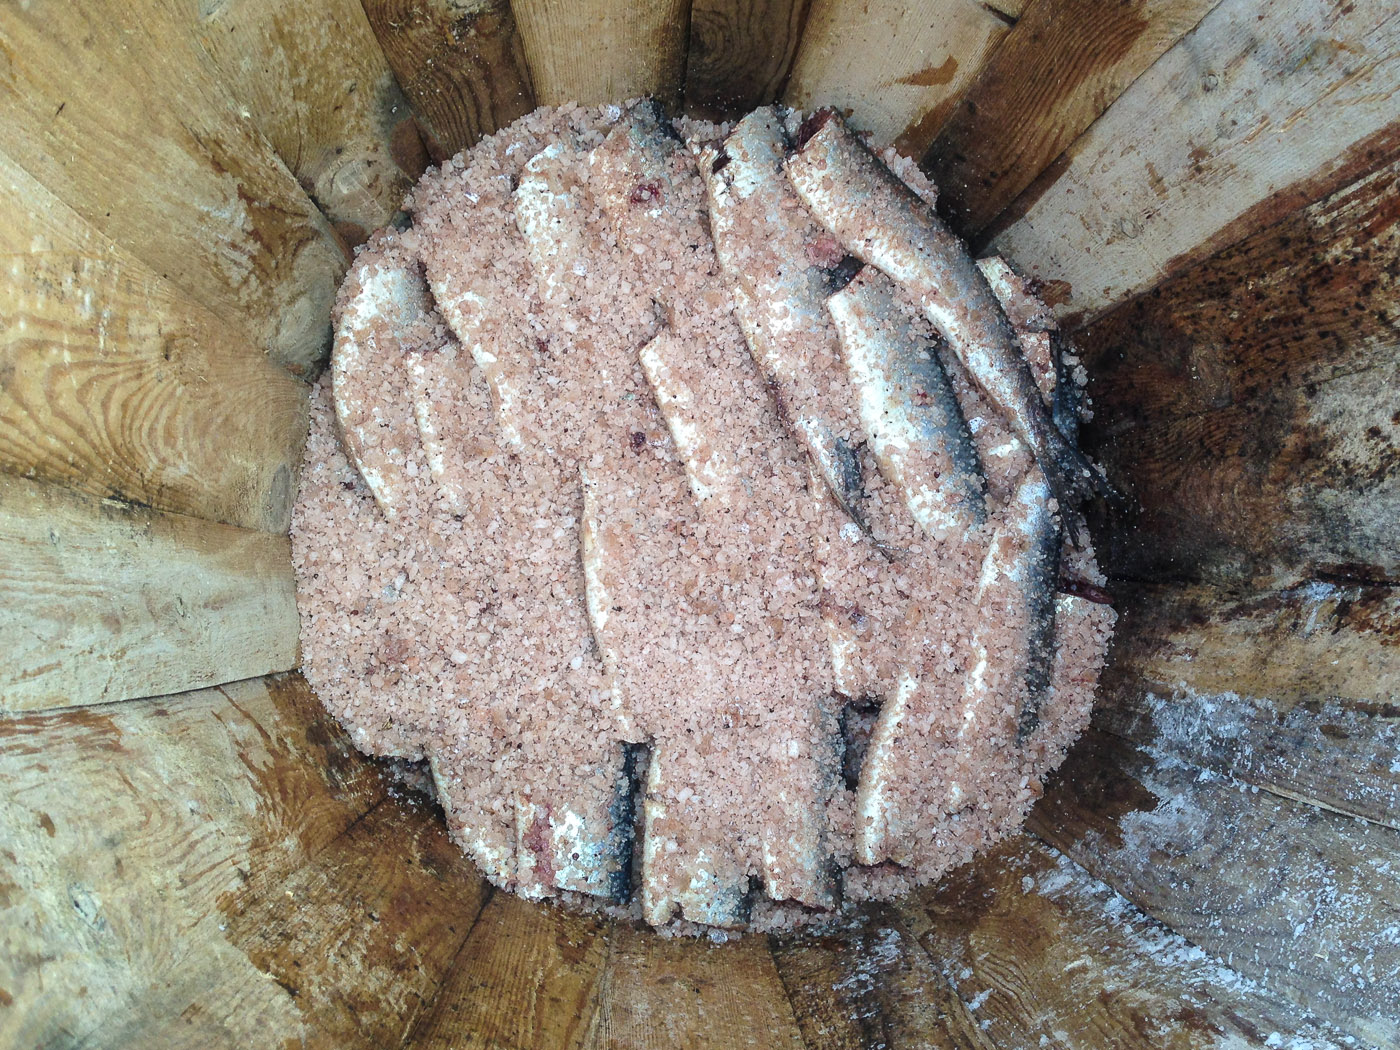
column 595, row 51
column 1266, row 106
column 116, row 109
column 664, row 993
column 1046, row 955
column 527, row 975
column 105, row 601
column 1293, row 691
column 870, row 984
column 460, row 64
column 124, row 830
column 316, row 85
column 1301, row 900
column 361, row 936
column 1057, row 70
column 897, row 69
column 113, row 383
column 741, row 53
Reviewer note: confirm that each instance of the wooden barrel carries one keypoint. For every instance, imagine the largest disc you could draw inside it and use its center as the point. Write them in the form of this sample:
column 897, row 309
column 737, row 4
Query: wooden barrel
column 193, row 854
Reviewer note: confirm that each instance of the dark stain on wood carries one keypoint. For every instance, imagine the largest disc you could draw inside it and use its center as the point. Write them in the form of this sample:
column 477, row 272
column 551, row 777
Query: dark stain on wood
column 741, row 54
column 933, row 76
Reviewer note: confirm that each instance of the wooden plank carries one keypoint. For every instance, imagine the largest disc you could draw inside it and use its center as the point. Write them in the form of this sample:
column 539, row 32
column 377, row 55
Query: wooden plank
column 115, row 109
column 1301, row 482
column 105, row 601
column 1267, row 105
column 659, row 992
column 1293, row 691
column 871, row 984
column 125, row 831
column 1301, row 900
column 362, row 935
column 112, row 382
column 527, row 975
column 741, row 53
column 898, row 69
column 460, row 63
column 632, row 49
column 1045, row 955
column 1060, row 67
column 315, row 83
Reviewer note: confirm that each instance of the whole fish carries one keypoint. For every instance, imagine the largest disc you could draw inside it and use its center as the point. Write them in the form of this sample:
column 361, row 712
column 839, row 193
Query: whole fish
column 884, row 223
column 908, row 409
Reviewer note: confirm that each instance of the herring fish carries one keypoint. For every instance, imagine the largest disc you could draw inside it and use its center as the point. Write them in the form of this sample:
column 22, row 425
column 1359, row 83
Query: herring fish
column 765, row 243
column 908, row 409
column 884, row 223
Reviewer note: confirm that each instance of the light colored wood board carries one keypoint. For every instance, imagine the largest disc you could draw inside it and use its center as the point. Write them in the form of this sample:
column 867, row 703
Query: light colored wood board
column 897, row 69
column 741, row 52
column 114, row 383
column 1293, row 691
column 105, row 601
column 460, row 63
column 1312, row 297
column 316, row 84
column 1046, row 955
column 1265, row 106
column 362, row 935
column 124, row 832
column 1061, row 66
column 1300, row 900
column 870, row 983
column 117, row 110
column 659, row 992
column 595, row 51
column 1300, row 482
column 527, row 975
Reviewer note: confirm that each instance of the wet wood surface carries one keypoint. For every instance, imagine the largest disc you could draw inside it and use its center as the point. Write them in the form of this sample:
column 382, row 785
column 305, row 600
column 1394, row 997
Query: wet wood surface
column 1293, row 691
column 126, row 832
column 315, row 83
column 460, row 64
column 1298, row 899
column 1247, row 405
column 632, row 49
column 898, row 69
column 114, row 383
column 118, row 111
column 105, row 601
column 1265, row 106
column 1059, row 68
column 741, row 54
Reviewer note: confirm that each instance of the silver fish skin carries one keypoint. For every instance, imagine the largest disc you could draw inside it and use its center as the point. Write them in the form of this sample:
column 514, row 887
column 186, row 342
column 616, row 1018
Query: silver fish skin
column 884, row 223
column 909, row 410
column 761, row 236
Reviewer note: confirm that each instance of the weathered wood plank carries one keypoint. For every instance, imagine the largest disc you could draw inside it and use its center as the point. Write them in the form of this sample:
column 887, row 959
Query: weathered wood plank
column 665, row 993
column 1299, row 899
column 460, row 64
column 124, row 832
column 527, row 975
column 632, row 49
column 741, row 52
column 1060, row 67
column 871, row 984
column 898, row 68
column 105, row 601
column 1301, row 482
column 315, row 83
column 1266, row 106
column 115, row 108
column 362, row 935
column 1045, row 955
column 1293, row 691
column 113, row 383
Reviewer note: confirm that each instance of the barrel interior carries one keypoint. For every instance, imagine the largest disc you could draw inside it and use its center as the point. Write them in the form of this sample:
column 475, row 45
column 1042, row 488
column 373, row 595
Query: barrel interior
column 192, row 853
